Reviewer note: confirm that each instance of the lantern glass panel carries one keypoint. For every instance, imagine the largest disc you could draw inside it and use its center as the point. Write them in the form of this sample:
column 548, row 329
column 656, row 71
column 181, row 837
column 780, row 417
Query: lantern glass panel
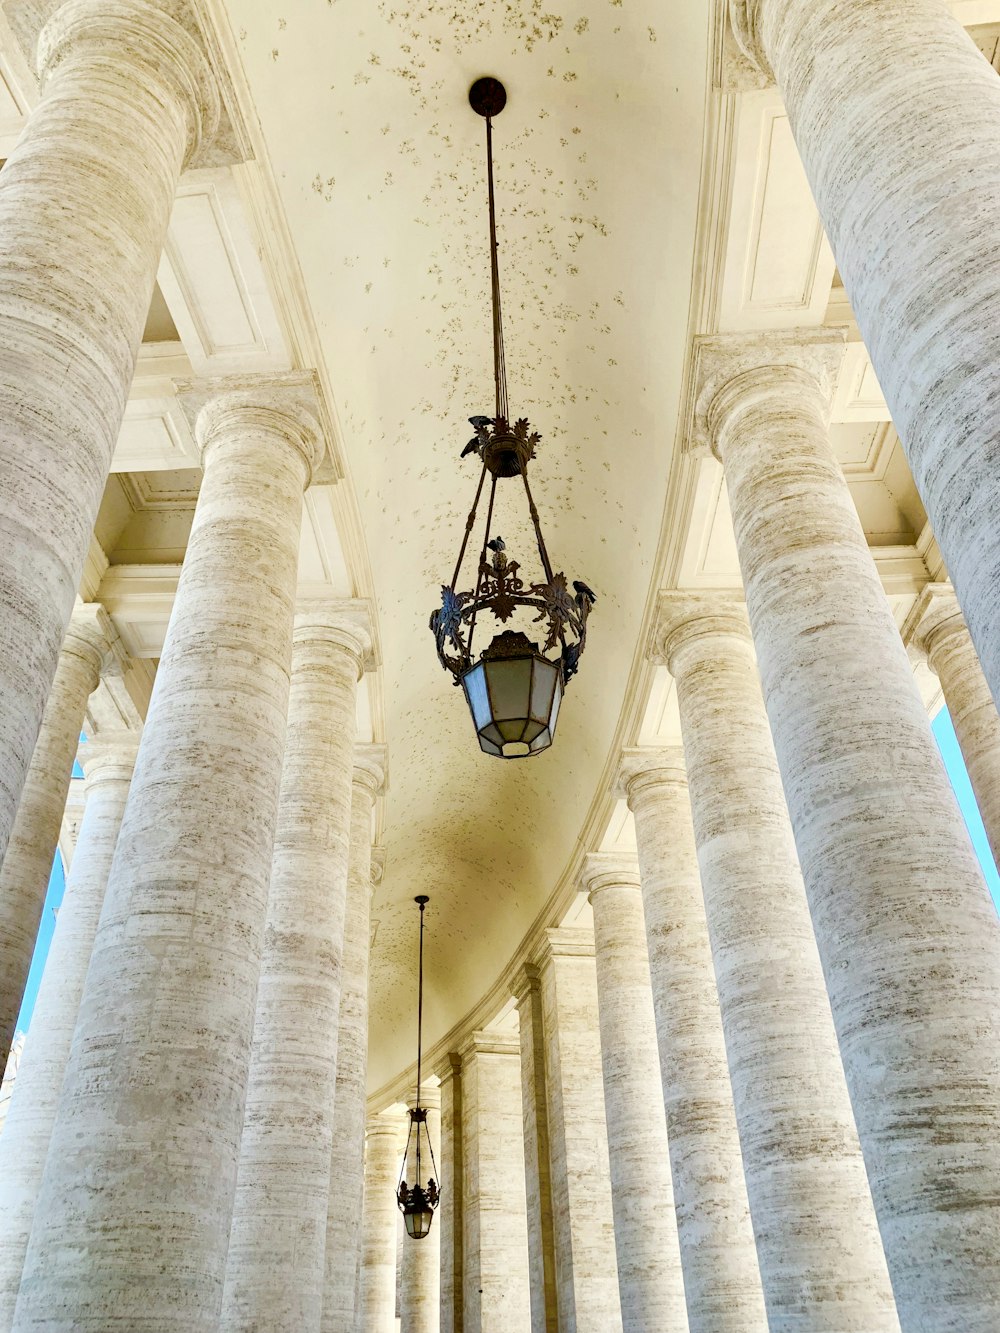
column 475, row 691
column 510, row 688
column 418, row 1224
column 542, row 689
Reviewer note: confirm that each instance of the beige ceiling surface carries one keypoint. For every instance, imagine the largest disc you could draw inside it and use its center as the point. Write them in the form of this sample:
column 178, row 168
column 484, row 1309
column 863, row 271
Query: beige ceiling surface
column 379, row 162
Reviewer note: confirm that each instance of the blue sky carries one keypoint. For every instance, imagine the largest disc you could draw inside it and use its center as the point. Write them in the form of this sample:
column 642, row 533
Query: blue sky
column 944, row 733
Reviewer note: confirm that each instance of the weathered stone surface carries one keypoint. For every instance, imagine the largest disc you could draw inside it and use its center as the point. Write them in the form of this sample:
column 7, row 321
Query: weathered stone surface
column 718, row 1254
column 586, row 1271
column 347, row 1158
column 151, row 1114
column 650, row 1284
column 936, row 626
column 385, row 1137
column 495, row 1241
column 24, row 877
column 107, row 765
column 538, row 1179
column 420, row 1271
column 277, row 1242
column 903, row 919
column 821, row 1260
column 85, row 198
column 897, row 120
column 451, row 1214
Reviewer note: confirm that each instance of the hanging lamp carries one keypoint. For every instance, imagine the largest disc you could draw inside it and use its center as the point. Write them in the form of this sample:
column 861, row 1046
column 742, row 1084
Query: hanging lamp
column 514, row 689
column 417, row 1202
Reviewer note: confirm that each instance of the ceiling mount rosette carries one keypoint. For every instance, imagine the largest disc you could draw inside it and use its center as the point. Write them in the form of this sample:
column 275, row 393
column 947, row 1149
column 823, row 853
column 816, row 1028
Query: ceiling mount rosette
column 514, row 689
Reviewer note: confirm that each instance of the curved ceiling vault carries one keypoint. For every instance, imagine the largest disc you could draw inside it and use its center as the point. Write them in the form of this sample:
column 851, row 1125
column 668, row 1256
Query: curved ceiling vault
column 379, row 163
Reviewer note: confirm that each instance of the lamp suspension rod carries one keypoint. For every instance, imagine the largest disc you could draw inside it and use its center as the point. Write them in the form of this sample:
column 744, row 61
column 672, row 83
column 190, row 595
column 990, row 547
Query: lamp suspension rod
column 421, row 901
column 468, row 528
column 499, row 364
column 482, row 563
column 542, row 550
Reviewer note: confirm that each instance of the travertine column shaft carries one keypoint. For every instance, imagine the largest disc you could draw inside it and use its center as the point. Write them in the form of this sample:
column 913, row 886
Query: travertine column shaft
column 85, row 198
column 151, row 1114
column 384, row 1141
column 24, row 877
column 277, row 1241
column 584, row 1233
column 821, row 1259
column 495, row 1241
column 420, row 1277
column 718, row 1254
column 896, row 116
column 24, row 1143
column 937, row 626
column 347, row 1158
column 650, row 1285
column 908, row 934
column 450, row 1213
column 538, row 1180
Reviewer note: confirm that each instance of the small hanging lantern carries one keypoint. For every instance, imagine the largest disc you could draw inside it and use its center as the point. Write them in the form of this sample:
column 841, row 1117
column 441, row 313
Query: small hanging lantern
column 515, row 688
column 418, row 1201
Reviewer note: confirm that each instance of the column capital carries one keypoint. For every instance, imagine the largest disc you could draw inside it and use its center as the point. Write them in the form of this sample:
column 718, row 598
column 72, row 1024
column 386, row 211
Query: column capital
column 609, row 870
column 744, row 18
column 644, row 768
column 285, row 404
column 565, row 942
column 148, row 40
column 692, row 621
column 91, row 635
column 377, row 867
column 345, row 621
column 388, row 1124
column 108, row 757
column 527, row 981
column 732, row 371
column 488, row 1042
column 430, row 1097
column 934, row 617
column 371, row 774
column 450, row 1068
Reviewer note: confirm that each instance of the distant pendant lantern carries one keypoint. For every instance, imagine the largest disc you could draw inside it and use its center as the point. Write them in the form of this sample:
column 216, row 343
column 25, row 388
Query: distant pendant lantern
column 515, row 688
column 418, row 1201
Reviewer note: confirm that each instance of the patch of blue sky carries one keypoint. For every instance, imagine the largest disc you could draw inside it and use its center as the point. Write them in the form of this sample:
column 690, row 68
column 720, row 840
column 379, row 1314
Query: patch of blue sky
column 944, row 734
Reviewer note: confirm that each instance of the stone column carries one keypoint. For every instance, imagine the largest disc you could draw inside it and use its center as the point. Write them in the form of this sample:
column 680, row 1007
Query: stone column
column 420, row 1286
column 650, row 1284
column 495, row 1243
column 347, row 1159
column 937, row 627
column 384, row 1139
column 821, row 1259
column 903, row 919
column 277, row 1241
column 151, row 1114
column 107, row 765
column 450, row 1213
column 538, row 1180
column 24, row 877
column 128, row 98
column 718, row 1253
column 897, row 119
column 584, row 1233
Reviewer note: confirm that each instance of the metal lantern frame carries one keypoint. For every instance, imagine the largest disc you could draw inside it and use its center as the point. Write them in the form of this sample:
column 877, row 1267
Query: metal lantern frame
column 505, row 451
column 418, row 1202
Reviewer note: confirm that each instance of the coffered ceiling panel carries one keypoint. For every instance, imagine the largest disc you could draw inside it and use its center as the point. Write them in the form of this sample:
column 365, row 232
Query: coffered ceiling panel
column 213, row 281
column 778, row 264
